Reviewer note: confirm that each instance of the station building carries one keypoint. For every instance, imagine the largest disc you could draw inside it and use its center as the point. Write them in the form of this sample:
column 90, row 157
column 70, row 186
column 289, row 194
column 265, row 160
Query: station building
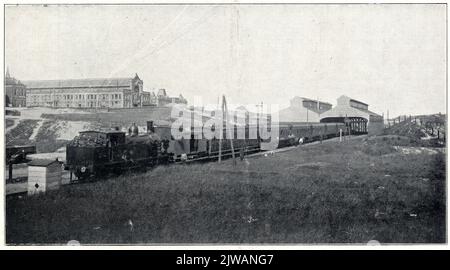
column 356, row 114
column 304, row 110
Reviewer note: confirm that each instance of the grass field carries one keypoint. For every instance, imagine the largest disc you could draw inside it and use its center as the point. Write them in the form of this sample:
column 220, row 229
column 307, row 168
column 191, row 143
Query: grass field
column 116, row 117
column 21, row 133
column 349, row 192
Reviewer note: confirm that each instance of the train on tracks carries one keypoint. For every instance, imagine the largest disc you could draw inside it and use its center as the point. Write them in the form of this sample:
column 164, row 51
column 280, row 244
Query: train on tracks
column 97, row 153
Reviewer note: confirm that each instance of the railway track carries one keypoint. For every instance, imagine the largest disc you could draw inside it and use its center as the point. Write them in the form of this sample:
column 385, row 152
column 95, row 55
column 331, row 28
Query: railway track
column 258, row 152
column 18, row 188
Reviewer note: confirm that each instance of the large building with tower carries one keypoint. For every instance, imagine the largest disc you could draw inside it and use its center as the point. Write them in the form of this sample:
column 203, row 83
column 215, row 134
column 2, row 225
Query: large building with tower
column 95, row 93
column 87, row 93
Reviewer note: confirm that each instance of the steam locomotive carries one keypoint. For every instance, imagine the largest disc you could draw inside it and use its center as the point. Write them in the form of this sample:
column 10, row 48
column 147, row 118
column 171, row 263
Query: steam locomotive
column 95, row 153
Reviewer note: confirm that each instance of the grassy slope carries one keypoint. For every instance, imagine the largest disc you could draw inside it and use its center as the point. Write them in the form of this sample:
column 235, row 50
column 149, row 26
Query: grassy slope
column 416, row 132
column 9, row 123
column 318, row 194
column 121, row 118
column 47, row 140
column 20, row 134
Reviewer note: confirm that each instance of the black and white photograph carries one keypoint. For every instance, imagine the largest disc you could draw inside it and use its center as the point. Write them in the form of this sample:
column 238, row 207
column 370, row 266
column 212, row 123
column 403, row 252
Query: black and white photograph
column 225, row 124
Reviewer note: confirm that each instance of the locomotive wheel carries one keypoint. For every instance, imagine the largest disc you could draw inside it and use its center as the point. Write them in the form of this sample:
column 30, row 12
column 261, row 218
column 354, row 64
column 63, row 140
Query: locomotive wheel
column 99, row 174
column 117, row 170
column 81, row 176
column 142, row 168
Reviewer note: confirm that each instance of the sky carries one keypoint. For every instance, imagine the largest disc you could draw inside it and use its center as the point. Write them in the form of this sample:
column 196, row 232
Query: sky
column 392, row 57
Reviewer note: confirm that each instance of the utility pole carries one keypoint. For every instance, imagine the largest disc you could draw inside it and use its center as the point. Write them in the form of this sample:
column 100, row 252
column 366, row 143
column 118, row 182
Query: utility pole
column 225, row 112
column 318, row 106
column 258, row 118
column 387, row 116
column 229, row 131
column 220, row 130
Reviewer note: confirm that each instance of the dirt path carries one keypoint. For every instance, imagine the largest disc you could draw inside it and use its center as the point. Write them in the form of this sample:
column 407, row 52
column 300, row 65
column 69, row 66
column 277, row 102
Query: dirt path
column 36, row 130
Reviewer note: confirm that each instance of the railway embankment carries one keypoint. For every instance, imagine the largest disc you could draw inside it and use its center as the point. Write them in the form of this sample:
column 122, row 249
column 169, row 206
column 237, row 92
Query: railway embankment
column 50, row 129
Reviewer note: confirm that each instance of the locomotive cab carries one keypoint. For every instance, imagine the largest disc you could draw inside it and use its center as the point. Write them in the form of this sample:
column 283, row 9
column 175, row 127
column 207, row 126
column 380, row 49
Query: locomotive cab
column 100, row 152
column 115, row 138
column 82, row 152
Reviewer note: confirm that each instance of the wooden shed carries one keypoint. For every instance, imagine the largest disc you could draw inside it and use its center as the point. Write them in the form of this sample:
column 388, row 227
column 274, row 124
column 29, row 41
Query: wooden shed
column 43, row 175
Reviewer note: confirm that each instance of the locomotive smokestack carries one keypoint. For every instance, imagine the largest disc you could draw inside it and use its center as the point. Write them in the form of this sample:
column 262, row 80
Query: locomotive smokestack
column 150, row 127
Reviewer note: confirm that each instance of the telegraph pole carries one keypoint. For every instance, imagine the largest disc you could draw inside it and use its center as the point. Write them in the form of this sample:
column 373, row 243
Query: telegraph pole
column 225, row 113
column 229, row 131
column 387, row 116
column 220, row 130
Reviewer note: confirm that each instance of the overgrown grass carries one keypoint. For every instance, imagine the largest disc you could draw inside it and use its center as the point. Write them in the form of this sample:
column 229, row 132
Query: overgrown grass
column 47, row 139
column 123, row 118
column 415, row 133
column 330, row 193
column 20, row 134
